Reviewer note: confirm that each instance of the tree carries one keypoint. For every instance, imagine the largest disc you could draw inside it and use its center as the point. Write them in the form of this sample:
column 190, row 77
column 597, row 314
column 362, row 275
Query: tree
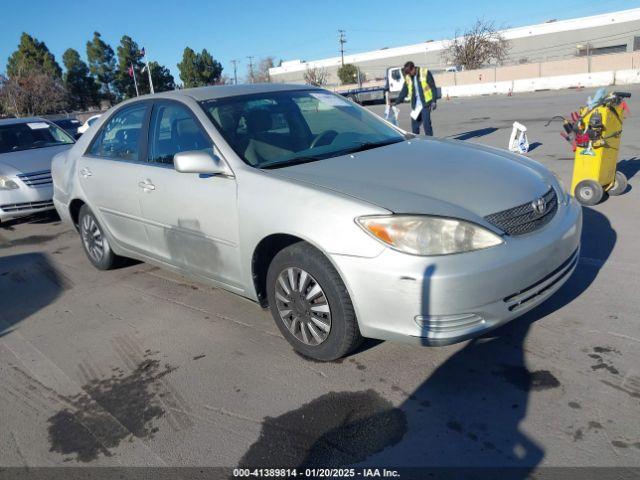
column 33, row 94
column 348, row 73
column 316, row 76
column 129, row 55
column 81, row 86
column 199, row 69
column 479, row 45
column 161, row 77
column 102, row 64
column 262, row 74
column 32, row 57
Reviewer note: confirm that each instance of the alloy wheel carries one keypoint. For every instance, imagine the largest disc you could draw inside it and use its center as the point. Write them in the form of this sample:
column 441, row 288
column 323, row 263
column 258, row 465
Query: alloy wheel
column 92, row 238
column 303, row 306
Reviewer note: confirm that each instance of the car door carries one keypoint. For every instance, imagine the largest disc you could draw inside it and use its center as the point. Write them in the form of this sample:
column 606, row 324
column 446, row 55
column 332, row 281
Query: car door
column 191, row 219
column 109, row 172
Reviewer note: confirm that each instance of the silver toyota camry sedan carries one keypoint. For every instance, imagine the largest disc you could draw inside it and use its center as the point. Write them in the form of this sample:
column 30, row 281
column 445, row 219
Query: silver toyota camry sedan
column 342, row 224
column 27, row 146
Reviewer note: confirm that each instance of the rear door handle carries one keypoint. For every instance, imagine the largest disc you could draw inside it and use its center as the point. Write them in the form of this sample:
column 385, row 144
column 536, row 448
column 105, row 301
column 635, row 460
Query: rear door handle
column 85, row 172
column 147, row 186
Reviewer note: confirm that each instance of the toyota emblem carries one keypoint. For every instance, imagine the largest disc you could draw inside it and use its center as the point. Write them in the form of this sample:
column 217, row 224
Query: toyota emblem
column 539, row 206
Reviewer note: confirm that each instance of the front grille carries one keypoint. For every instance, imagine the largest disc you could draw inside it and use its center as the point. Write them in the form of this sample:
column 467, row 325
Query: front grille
column 523, row 298
column 20, row 207
column 36, row 179
column 523, row 218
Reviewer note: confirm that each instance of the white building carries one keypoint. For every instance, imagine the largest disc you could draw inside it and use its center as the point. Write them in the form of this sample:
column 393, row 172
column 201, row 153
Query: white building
column 553, row 40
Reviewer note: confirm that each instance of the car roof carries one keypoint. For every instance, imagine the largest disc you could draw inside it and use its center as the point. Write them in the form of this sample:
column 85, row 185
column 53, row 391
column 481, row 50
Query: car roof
column 223, row 91
column 15, row 121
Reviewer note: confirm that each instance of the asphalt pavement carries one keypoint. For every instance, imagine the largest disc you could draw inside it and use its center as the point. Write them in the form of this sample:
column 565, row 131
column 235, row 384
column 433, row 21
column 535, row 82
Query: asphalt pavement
column 139, row 366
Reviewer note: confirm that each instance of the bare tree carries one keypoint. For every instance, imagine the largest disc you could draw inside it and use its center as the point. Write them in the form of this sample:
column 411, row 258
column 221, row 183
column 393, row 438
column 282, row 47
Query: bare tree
column 33, row 94
column 316, row 76
column 262, row 74
column 479, row 45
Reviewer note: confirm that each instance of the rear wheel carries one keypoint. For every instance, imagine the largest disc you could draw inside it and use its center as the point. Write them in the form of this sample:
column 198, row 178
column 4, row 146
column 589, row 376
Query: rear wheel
column 588, row 192
column 619, row 185
column 95, row 244
column 310, row 304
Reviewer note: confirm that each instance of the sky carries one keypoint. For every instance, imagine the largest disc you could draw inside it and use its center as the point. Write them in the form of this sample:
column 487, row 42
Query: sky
column 285, row 29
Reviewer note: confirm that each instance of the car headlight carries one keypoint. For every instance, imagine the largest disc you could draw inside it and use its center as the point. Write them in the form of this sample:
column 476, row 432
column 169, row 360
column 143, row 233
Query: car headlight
column 425, row 235
column 7, row 184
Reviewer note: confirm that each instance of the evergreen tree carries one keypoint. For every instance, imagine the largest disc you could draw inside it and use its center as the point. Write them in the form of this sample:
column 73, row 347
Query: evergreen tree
column 162, row 78
column 210, row 69
column 199, row 69
column 32, row 57
column 81, row 87
column 102, row 64
column 129, row 55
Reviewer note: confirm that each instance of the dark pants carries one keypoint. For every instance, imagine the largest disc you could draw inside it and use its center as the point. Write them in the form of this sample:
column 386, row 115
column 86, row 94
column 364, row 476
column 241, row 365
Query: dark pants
column 425, row 119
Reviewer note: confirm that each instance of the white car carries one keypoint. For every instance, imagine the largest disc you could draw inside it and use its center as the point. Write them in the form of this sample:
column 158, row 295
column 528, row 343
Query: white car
column 345, row 226
column 90, row 121
column 27, row 146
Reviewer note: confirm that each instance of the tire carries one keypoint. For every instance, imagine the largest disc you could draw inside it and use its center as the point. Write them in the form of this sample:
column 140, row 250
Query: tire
column 95, row 244
column 619, row 185
column 588, row 192
column 305, row 324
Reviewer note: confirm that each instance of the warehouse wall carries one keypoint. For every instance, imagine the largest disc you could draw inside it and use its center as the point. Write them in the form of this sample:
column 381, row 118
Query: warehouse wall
column 524, row 55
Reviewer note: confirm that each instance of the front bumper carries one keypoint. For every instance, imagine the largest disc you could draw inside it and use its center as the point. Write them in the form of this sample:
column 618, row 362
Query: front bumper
column 448, row 299
column 25, row 201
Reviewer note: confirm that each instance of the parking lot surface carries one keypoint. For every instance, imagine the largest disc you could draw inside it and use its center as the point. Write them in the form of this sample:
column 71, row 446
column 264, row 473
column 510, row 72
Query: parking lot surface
column 139, row 366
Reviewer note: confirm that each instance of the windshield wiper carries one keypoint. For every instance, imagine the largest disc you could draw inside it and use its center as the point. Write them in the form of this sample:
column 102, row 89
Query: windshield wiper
column 290, row 162
column 361, row 147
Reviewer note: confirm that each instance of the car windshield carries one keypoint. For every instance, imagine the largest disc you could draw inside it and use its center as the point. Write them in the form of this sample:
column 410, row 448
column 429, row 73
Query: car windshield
column 277, row 129
column 29, row 135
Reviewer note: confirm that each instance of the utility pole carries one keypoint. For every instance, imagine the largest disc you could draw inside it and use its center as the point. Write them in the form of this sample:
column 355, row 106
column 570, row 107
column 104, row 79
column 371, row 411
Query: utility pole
column 250, row 68
column 235, row 71
column 342, row 40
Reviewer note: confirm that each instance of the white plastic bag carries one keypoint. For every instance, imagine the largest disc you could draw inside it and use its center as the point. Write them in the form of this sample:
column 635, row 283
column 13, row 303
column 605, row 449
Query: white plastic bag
column 391, row 114
column 518, row 142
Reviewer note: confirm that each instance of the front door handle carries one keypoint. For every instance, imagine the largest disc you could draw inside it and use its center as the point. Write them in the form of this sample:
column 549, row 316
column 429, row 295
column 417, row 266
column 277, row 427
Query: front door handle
column 85, row 172
column 147, row 186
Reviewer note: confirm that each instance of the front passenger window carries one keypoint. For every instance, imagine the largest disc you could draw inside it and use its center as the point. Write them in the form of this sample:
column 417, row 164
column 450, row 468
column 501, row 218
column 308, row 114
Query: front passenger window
column 119, row 139
column 174, row 130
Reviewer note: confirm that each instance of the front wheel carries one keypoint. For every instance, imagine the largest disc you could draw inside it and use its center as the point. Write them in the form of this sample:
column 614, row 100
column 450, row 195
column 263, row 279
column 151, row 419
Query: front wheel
column 588, row 192
column 94, row 242
column 310, row 304
column 619, row 185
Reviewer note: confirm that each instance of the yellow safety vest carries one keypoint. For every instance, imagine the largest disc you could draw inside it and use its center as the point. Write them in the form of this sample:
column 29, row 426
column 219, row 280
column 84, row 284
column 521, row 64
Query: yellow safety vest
column 422, row 78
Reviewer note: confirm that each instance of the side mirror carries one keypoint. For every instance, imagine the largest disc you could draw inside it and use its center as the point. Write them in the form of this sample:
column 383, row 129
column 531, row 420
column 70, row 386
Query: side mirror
column 200, row 161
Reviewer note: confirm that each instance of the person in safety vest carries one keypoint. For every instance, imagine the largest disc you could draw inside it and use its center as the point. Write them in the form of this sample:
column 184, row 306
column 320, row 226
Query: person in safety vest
column 420, row 87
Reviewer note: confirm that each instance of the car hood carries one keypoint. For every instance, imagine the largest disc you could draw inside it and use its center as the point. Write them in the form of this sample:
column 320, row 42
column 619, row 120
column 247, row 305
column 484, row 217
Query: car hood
column 430, row 176
column 27, row 161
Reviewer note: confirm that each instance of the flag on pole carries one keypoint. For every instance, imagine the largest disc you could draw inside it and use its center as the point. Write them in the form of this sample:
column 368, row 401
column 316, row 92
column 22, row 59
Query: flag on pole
column 142, row 52
column 130, row 70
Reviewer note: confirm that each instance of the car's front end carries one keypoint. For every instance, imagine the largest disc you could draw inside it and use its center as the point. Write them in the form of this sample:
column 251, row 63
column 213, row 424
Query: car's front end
column 443, row 299
column 26, row 149
column 24, row 193
column 475, row 237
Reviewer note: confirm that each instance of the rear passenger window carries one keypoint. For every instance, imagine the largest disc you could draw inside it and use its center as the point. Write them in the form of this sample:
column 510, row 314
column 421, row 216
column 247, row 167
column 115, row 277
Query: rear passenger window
column 174, row 130
column 119, row 139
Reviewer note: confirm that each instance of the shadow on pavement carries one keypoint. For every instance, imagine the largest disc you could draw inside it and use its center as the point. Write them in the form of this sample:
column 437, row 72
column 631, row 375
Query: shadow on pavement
column 466, row 414
column 481, row 132
column 50, row 216
column 629, row 167
column 28, row 282
column 534, row 145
